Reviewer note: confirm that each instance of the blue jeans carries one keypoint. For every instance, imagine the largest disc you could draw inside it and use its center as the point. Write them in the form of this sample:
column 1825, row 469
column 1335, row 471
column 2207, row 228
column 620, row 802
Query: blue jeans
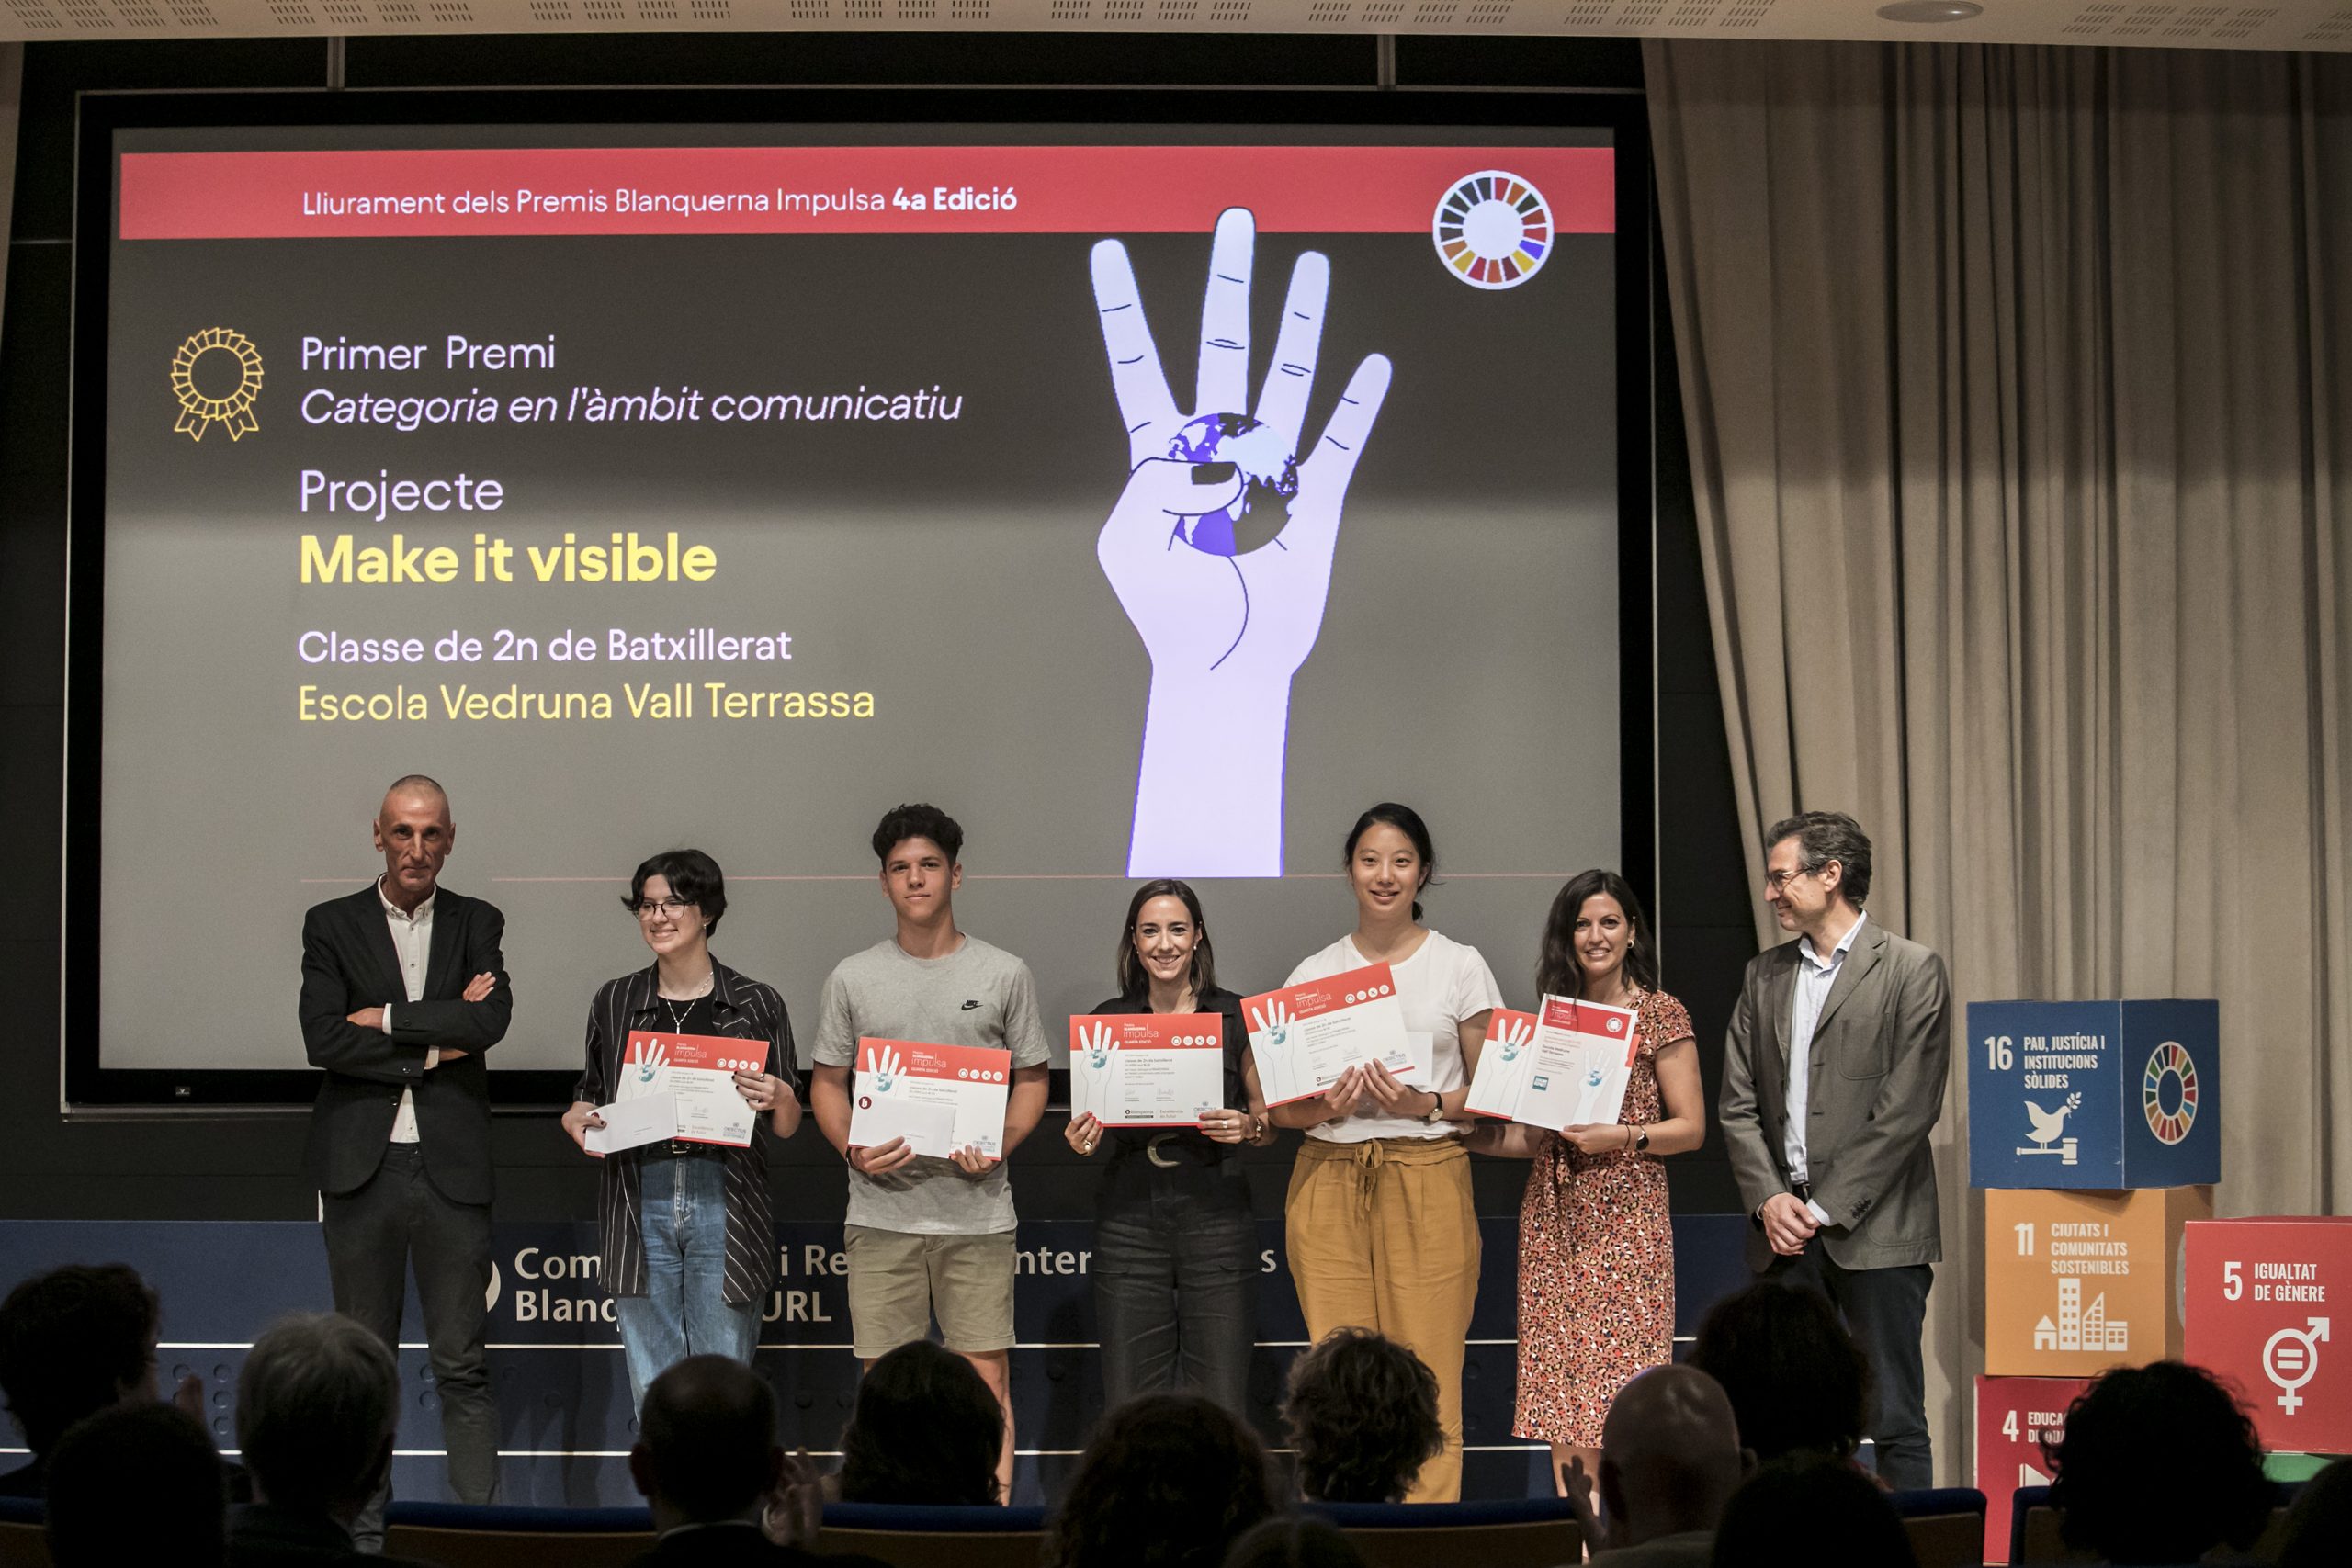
column 684, row 1311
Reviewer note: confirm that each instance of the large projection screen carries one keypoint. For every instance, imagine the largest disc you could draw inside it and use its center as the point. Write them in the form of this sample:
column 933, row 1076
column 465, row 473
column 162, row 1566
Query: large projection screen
column 1153, row 496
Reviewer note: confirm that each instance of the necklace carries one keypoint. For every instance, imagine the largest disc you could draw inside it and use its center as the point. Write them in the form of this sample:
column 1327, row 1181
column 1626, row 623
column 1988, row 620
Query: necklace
column 677, row 1016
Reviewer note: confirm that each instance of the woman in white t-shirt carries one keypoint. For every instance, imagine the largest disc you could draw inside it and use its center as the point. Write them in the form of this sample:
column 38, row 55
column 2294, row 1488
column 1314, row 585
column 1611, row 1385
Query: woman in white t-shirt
column 1381, row 1231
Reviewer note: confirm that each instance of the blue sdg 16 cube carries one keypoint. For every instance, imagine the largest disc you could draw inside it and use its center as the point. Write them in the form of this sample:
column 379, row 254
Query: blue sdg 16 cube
column 2105, row 1095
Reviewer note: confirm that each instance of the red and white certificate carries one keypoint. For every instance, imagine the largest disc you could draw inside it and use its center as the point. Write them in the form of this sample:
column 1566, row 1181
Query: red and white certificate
column 694, row 1074
column 1303, row 1037
column 1564, row 1066
column 939, row 1098
column 1146, row 1069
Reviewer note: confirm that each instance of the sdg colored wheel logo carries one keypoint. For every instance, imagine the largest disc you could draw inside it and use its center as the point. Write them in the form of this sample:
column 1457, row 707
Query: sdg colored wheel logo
column 2168, row 1093
column 1493, row 229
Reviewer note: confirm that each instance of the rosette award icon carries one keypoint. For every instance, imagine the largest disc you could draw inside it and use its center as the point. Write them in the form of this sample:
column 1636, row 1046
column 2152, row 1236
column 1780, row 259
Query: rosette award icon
column 216, row 376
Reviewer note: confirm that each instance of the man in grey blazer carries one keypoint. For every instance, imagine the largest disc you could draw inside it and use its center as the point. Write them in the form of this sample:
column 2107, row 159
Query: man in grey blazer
column 1832, row 1078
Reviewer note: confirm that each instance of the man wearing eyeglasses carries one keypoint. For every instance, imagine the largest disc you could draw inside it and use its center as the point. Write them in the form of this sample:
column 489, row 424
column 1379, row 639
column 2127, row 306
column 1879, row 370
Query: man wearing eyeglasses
column 1832, row 1078
column 403, row 989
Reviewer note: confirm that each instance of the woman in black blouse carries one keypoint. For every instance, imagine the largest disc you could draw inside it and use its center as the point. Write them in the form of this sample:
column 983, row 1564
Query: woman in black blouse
column 1175, row 1246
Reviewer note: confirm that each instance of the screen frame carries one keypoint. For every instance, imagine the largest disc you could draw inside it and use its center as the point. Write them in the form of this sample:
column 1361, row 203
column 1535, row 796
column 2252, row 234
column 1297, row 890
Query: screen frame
column 90, row 1089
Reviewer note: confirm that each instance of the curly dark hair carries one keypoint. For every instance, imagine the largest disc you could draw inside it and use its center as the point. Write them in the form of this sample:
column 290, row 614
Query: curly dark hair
column 918, row 821
column 925, row 1429
column 2115, row 1471
column 1809, row 1507
column 70, row 1341
column 1362, row 1412
column 1170, row 1481
column 1797, row 1380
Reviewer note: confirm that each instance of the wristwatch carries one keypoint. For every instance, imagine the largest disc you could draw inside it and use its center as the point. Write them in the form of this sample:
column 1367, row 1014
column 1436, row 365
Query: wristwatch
column 1436, row 1112
column 1641, row 1139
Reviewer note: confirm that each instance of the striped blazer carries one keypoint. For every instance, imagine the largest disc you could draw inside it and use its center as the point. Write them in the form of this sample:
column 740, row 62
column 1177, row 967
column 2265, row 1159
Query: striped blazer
column 741, row 1009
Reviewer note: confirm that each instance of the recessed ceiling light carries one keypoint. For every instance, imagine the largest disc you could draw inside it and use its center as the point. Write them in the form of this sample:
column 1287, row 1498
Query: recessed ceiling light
column 1931, row 10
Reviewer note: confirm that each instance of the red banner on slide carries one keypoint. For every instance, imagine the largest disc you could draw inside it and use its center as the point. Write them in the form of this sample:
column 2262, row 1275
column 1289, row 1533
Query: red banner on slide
column 839, row 190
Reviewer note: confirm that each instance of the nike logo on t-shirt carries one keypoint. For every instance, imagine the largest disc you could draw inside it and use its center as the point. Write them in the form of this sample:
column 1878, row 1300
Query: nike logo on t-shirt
column 970, row 1005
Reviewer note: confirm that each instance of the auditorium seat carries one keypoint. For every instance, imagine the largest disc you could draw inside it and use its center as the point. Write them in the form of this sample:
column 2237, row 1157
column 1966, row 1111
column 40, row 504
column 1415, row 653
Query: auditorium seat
column 21, row 1545
column 1539, row 1532
column 461, row 1535
column 1946, row 1525
column 941, row 1536
column 2034, row 1533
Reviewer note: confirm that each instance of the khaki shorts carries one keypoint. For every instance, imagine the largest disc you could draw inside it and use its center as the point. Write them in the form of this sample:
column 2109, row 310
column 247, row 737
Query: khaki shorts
column 898, row 1279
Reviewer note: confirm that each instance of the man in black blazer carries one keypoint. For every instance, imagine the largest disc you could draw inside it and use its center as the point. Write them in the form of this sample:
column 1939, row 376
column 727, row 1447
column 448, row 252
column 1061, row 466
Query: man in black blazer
column 403, row 989
column 1834, row 1074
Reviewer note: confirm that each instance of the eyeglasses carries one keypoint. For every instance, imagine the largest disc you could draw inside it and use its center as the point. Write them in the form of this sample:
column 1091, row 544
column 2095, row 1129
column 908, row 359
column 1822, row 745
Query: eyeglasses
column 1778, row 881
column 647, row 907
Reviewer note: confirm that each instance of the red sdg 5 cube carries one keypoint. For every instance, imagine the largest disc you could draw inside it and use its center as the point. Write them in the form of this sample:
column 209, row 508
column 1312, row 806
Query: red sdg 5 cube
column 2269, row 1308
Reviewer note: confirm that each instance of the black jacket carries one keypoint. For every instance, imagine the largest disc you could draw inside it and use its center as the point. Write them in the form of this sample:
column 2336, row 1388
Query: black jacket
column 349, row 963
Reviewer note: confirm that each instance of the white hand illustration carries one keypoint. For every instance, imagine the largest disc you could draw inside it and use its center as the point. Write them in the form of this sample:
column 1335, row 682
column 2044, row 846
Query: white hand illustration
column 656, row 1057
column 1095, row 1038
column 1226, row 625
column 1273, row 1023
column 1515, row 1035
column 883, row 1065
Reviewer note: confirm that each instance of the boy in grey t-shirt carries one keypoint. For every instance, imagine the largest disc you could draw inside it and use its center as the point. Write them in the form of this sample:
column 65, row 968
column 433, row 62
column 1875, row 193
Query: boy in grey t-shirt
column 928, row 1236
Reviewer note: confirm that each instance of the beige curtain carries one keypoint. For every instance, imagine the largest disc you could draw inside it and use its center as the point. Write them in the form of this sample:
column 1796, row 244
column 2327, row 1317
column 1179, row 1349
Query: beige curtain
column 2018, row 384
column 12, row 62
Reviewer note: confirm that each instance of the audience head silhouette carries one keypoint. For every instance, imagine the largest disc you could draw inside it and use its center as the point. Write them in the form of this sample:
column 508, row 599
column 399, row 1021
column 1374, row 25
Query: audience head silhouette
column 137, row 1483
column 73, row 1342
column 1815, row 1508
column 1670, row 1456
column 1362, row 1412
column 1797, row 1380
column 706, row 1450
column 2130, row 1438
column 317, row 1401
column 925, row 1429
column 1294, row 1540
column 1170, row 1481
column 2321, row 1521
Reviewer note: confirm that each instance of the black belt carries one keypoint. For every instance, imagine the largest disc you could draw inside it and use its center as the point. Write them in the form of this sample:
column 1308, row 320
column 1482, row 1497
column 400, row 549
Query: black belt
column 682, row 1148
column 1804, row 1191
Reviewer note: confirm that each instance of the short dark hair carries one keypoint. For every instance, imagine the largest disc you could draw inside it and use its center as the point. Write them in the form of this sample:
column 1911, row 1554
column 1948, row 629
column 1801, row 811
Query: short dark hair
column 2320, row 1520
column 1797, row 1380
column 926, row 1428
column 1558, row 972
column 1294, row 1540
column 1825, row 836
column 1362, row 1412
column 707, row 1430
column 1133, row 982
column 1407, row 822
column 1822, row 1509
column 918, row 821
column 2129, row 1439
column 137, row 1483
column 70, row 1340
column 1169, row 1481
column 316, row 1399
column 692, row 876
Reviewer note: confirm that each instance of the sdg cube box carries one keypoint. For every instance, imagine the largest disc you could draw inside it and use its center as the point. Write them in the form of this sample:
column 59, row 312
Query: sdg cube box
column 2075, row 1282
column 2097, row 1095
column 2269, row 1308
column 2013, row 1415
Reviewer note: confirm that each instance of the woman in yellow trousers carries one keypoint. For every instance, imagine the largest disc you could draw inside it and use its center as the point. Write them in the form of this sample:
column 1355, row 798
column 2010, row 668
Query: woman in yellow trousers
column 1380, row 1227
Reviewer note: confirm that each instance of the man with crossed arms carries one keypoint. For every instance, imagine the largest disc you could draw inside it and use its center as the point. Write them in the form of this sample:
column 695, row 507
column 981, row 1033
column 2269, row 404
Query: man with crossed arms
column 403, row 988
column 1832, row 1078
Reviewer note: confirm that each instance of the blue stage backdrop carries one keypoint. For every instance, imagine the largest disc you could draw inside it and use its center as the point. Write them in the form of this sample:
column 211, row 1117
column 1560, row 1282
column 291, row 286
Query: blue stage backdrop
column 563, row 1394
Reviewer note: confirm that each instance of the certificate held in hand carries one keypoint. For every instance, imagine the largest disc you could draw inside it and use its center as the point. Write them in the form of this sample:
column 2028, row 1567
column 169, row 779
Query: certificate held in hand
column 690, row 1081
column 1564, row 1066
column 939, row 1098
column 1146, row 1069
column 1303, row 1037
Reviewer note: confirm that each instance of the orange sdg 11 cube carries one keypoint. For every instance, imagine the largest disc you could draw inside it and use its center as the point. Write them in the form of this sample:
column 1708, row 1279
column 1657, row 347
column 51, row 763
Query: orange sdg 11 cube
column 2078, row 1282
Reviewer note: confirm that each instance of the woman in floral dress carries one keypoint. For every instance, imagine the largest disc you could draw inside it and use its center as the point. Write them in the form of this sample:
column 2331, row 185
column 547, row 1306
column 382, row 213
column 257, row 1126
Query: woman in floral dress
column 1596, row 1249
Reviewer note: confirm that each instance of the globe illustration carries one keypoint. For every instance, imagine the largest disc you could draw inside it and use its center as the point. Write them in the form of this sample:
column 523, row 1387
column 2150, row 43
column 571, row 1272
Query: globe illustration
column 1269, row 471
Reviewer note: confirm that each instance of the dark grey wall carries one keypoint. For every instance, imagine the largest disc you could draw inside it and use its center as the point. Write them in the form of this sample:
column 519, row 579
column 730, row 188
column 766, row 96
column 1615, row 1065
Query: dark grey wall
column 247, row 1168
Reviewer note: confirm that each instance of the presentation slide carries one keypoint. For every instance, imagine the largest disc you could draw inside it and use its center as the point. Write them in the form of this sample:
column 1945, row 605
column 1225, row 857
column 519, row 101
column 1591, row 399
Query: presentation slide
column 1151, row 498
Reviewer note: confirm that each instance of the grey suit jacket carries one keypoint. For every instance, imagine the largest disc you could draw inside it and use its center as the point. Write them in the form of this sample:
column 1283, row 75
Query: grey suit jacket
column 1875, row 1088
